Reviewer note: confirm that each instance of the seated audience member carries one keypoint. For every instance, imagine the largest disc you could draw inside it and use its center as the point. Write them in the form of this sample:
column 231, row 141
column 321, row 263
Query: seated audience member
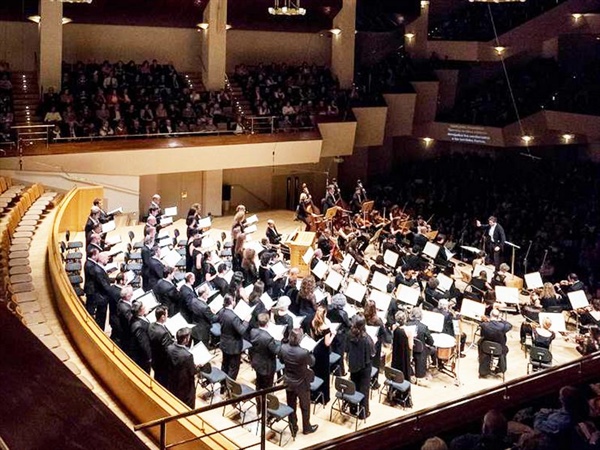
column 493, row 434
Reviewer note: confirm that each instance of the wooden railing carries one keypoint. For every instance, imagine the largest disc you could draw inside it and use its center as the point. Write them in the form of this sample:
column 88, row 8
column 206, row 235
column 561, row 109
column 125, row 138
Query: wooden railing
column 136, row 391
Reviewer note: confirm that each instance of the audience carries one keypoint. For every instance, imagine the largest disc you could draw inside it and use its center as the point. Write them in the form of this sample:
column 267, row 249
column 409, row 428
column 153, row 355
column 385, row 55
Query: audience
column 6, row 102
column 129, row 99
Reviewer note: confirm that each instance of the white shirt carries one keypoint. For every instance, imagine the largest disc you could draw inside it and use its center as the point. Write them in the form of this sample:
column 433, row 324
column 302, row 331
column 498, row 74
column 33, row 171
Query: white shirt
column 491, row 231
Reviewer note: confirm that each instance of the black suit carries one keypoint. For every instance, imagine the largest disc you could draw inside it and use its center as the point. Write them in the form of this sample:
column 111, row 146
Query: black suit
column 97, row 291
column 263, row 357
column 90, row 224
column 167, row 295
column 494, row 331
column 423, row 335
column 160, row 339
column 273, row 236
column 155, row 271
column 232, row 342
column 140, row 350
column 181, row 374
column 123, row 332
column 200, row 314
column 497, row 239
column 220, row 284
column 298, row 377
column 146, row 255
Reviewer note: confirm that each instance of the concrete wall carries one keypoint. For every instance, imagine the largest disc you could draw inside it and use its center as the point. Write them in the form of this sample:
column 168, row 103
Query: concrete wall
column 19, row 44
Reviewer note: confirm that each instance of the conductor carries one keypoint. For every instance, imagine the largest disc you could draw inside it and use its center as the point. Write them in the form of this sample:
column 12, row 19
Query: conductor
column 495, row 238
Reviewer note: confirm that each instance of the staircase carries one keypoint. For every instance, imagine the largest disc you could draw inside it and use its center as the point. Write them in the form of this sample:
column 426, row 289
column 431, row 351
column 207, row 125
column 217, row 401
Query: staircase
column 237, row 96
column 26, row 98
column 193, row 80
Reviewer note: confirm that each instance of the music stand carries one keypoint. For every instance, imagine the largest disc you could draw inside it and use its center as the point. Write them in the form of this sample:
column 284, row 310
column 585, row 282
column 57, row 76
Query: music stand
column 367, row 207
column 512, row 262
column 534, row 280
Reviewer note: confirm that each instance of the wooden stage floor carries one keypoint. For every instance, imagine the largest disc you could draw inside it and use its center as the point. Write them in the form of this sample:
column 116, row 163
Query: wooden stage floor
column 439, row 389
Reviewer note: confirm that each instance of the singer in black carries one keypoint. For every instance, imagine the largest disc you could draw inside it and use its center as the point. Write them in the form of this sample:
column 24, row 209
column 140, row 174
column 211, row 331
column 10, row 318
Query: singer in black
column 494, row 238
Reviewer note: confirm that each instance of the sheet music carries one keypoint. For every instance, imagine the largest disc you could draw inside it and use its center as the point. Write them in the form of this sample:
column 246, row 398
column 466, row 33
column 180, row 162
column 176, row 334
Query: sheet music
column 205, row 222
column 267, row 301
column 320, row 269
column 373, row 332
column 276, row 331
column 297, row 320
column 431, row 250
column 129, row 276
column 308, row 343
column 445, row 282
column 243, row 310
column 279, row 268
column 380, row 281
column 361, row 273
column 162, row 234
column 509, row 295
column 113, row 239
column 216, row 304
column 578, row 299
column 558, row 321
column 320, row 295
column 164, row 243
column 534, row 280
column 176, row 323
column 171, row 211
column 472, row 309
column 391, row 258
column 114, row 252
column 251, row 220
column 347, row 262
column 382, row 300
column 355, row 291
column 350, row 310
column 111, row 267
column 308, row 255
column 118, row 210
column 166, row 221
column 407, row 294
column 334, row 280
column 208, row 243
column 251, row 229
column 248, row 289
column 201, row 354
column 435, row 321
column 149, row 301
column 228, row 276
column 449, row 254
column 137, row 294
column 109, row 226
column 171, row 259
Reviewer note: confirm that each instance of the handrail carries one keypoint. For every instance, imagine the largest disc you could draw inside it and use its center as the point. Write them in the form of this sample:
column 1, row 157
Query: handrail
column 162, row 423
column 141, row 136
column 252, row 194
column 446, row 416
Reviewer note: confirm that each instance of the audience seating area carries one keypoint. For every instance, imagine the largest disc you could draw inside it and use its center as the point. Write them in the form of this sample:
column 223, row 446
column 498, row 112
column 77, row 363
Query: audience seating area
column 472, row 22
column 294, row 95
column 22, row 209
column 6, row 102
column 112, row 100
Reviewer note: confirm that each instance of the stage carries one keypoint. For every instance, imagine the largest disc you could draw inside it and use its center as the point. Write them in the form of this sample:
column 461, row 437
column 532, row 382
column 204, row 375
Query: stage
column 437, row 389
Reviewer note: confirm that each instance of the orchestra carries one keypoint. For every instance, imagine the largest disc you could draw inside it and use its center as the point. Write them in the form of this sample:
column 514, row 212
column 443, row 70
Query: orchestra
column 416, row 294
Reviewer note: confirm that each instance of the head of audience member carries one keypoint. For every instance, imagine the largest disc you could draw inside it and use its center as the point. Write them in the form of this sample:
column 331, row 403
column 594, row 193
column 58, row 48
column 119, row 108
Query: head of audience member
column 574, row 403
column 161, row 313
column 534, row 440
column 434, row 443
column 494, row 424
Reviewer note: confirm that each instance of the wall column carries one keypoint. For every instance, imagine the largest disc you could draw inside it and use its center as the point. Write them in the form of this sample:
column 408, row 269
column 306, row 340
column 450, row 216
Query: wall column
column 342, row 45
column 212, row 192
column 51, row 44
column 214, row 45
column 416, row 34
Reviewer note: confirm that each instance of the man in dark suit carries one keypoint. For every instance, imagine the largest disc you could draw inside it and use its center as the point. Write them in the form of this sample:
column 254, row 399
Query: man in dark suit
column 160, row 339
column 122, row 334
column 272, row 234
column 495, row 238
column 263, row 353
column 329, row 200
column 183, row 369
column 97, row 287
column 155, row 269
column 298, row 376
column 92, row 222
column 494, row 330
column 166, row 293
column 146, row 253
column 140, row 350
column 232, row 331
column 198, row 310
column 113, row 300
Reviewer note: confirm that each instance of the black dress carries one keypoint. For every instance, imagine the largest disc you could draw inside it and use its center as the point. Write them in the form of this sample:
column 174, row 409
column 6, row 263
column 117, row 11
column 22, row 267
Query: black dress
column 321, row 367
column 401, row 352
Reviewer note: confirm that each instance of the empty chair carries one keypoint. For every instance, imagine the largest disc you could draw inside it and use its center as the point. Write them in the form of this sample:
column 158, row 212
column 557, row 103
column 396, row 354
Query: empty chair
column 539, row 358
column 316, row 394
column 72, row 244
column 493, row 350
column 209, row 377
column 278, row 412
column 395, row 388
column 236, row 390
column 334, row 363
column 348, row 402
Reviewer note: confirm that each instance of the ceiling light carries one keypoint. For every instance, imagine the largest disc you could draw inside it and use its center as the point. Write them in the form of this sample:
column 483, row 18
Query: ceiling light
column 424, row 3
column 527, row 139
column 568, row 137
column 286, row 8
column 428, row 141
column 409, row 36
column 500, row 50
column 228, row 27
column 38, row 19
column 577, row 16
column 335, row 31
column 75, row 1
column 202, row 25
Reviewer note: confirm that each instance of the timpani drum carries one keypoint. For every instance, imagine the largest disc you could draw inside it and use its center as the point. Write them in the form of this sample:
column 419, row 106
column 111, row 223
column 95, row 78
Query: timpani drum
column 444, row 344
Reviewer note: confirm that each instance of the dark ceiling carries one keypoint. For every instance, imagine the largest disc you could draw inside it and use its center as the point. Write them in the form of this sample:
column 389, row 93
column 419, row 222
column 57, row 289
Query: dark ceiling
column 372, row 15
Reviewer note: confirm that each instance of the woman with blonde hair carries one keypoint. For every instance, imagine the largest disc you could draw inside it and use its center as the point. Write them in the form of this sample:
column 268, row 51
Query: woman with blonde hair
column 239, row 218
column 549, row 299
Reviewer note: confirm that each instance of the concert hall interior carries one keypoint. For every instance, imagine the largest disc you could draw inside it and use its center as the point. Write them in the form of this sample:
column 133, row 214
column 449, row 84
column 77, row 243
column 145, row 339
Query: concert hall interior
column 384, row 211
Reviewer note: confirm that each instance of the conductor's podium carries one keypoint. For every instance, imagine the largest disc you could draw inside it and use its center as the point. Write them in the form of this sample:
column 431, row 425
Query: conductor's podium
column 299, row 244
